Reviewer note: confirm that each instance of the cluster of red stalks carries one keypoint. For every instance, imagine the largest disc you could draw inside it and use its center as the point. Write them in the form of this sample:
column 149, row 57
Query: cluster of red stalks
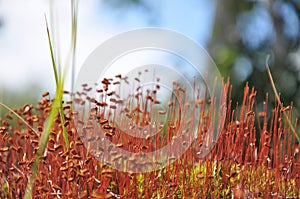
column 256, row 155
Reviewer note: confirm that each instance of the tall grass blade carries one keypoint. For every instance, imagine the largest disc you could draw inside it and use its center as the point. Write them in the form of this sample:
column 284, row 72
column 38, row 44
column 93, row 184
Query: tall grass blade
column 52, row 53
column 62, row 115
column 44, row 138
column 57, row 106
column 278, row 99
column 74, row 8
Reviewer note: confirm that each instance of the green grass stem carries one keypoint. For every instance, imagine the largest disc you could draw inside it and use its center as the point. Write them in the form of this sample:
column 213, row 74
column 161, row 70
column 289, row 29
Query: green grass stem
column 57, row 105
column 279, row 101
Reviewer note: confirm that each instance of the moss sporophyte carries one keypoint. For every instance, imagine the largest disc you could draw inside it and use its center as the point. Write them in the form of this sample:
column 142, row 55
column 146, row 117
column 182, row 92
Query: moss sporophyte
column 256, row 155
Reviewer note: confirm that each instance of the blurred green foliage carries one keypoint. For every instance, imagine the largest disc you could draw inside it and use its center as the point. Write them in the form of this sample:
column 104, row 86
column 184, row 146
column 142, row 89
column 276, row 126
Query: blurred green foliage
column 245, row 32
column 16, row 98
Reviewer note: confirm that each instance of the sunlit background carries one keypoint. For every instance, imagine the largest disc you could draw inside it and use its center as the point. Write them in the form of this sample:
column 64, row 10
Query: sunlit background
column 238, row 35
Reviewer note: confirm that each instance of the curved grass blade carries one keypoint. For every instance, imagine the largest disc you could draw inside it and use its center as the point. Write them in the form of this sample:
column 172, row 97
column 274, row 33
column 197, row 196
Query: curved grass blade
column 278, row 99
column 18, row 116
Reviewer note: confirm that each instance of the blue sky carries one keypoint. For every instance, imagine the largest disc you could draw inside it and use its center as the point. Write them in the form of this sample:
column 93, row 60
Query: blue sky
column 24, row 51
